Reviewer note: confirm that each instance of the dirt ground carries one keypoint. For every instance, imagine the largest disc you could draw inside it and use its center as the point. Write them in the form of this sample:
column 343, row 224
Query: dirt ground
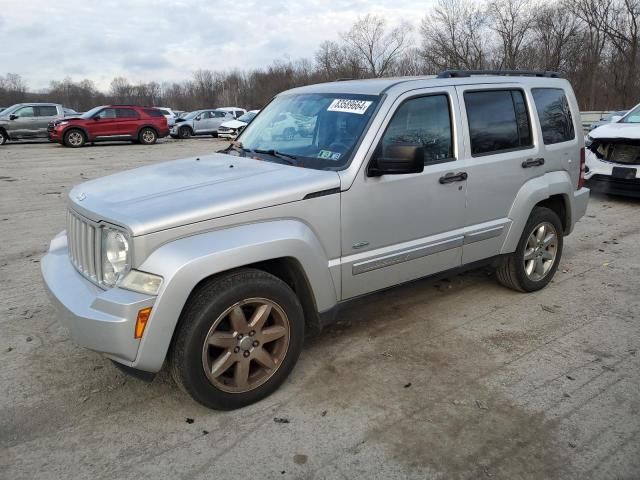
column 456, row 378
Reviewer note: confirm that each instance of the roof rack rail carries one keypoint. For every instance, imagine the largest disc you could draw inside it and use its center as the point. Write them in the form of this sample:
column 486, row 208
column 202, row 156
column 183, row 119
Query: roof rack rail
column 343, row 79
column 522, row 73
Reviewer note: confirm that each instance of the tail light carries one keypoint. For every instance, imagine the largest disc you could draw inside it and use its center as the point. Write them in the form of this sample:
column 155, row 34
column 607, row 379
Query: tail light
column 583, row 167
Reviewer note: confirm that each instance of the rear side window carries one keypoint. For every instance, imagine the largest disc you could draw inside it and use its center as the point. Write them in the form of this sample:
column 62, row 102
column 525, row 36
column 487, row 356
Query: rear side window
column 127, row 113
column 554, row 114
column 47, row 111
column 498, row 121
column 153, row 112
column 424, row 121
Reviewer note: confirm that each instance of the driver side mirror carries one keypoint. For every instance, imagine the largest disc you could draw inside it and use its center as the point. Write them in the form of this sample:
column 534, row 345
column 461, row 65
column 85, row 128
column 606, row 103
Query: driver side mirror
column 615, row 118
column 96, row 118
column 199, row 117
column 13, row 116
column 398, row 160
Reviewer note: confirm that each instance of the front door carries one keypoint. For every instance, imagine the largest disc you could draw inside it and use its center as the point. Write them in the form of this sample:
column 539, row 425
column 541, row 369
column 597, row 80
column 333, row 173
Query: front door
column 203, row 123
column 397, row 228
column 25, row 125
column 105, row 124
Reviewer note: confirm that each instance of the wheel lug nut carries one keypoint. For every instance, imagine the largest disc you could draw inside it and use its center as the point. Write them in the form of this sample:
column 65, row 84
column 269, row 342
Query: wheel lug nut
column 255, row 343
column 246, row 353
column 252, row 333
column 240, row 336
column 236, row 350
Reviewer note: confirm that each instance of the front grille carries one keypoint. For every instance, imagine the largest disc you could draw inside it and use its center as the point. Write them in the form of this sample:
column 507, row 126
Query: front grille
column 84, row 241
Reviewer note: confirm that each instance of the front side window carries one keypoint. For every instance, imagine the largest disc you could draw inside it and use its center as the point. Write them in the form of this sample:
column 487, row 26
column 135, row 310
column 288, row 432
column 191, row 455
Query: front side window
column 498, row 121
column 25, row 112
column 424, row 121
column 633, row 116
column 554, row 114
column 311, row 130
column 107, row 113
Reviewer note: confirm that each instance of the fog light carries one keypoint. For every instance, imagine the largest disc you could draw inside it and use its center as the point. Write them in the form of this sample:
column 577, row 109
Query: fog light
column 141, row 321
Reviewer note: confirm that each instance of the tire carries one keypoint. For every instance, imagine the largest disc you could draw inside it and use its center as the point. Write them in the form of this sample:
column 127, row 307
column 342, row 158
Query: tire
column 529, row 275
column 215, row 328
column 214, row 134
column 4, row 138
column 185, row 132
column 173, row 136
column 74, row 138
column 147, row 136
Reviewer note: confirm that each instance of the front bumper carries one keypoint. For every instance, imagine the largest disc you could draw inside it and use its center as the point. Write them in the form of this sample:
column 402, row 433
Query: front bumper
column 54, row 136
column 230, row 135
column 97, row 319
column 599, row 178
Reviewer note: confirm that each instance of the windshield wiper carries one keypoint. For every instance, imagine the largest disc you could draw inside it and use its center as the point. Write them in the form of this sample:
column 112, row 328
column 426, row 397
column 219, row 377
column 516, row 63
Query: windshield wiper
column 281, row 155
column 237, row 146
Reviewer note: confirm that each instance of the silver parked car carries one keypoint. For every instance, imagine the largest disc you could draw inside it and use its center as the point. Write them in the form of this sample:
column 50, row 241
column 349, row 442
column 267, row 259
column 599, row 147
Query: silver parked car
column 200, row 122
column 220, row 263
column 29, row 120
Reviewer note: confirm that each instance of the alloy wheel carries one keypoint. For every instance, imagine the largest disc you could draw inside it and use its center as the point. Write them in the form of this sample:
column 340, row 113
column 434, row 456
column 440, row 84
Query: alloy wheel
column 540, row 251
column 75, row 139
column 246, row 345
column 148, row 136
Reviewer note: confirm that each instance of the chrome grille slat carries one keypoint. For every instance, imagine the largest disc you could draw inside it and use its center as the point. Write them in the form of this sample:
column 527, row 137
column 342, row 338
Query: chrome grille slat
column 84, row 246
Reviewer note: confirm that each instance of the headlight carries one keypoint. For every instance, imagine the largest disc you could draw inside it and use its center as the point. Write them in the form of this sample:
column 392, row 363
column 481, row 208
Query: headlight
column 588, row 141
column 62, row 123
column 141, row 282
column 116, row 257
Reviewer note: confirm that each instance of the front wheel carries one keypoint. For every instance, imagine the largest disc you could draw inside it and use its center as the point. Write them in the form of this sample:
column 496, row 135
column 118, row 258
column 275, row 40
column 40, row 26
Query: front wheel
column 147, row 136
column 184, row 132
column 74, row 138
column 238, row 339
column 3, row 137
column 535, row 261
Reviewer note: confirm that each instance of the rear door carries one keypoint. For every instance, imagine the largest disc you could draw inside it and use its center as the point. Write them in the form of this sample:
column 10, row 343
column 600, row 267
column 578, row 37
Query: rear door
column 127, row 122
column 502, row 153
column 44, row 115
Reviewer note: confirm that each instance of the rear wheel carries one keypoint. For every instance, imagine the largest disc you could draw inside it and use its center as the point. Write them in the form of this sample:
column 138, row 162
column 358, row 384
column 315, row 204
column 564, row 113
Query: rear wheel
column 74, row 138
column 185, row 132
column 535, row 261
column 239, row 337
column 147, row 136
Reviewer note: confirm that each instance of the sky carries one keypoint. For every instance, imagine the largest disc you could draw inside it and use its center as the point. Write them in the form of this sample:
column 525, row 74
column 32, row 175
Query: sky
column 146, row 40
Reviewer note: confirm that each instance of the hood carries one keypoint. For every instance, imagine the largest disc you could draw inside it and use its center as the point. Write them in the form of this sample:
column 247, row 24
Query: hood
column 617, row 130
column 233, row 124
column 171, row 194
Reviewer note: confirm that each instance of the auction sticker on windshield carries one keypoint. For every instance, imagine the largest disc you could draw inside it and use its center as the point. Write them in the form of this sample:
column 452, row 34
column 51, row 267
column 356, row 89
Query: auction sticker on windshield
column 347, row 105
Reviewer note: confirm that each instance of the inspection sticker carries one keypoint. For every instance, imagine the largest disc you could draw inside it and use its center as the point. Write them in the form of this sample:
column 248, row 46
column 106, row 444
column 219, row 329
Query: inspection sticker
column 349, row 106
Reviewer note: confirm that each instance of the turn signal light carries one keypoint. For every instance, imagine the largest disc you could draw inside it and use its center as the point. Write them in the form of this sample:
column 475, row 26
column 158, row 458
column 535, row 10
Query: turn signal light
column 141, row 321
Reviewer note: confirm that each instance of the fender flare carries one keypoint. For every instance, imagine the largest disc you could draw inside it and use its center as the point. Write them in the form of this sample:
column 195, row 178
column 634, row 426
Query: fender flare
column 186, row 262
column 530, row 194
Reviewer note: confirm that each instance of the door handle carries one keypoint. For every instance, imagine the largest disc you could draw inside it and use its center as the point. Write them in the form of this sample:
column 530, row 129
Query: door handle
column 532, row 162
column 453, row 177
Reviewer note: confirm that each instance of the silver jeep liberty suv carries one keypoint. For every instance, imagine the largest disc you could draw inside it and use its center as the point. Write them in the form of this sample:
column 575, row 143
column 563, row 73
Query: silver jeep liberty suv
column 219, row 264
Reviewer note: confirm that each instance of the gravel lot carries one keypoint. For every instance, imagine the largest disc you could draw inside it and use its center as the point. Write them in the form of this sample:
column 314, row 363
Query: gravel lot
column 455, row 378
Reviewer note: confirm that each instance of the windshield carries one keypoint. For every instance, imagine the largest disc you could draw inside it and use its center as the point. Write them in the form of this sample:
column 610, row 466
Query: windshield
column 247, row 117
column 91, row 113
column 313, row 130
column 633, row 116
column 191, row 115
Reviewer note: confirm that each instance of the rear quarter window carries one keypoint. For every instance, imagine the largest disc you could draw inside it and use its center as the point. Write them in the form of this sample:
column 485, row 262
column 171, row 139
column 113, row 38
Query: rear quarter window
column 152, row 112
column 498, row 121
column 554, row 114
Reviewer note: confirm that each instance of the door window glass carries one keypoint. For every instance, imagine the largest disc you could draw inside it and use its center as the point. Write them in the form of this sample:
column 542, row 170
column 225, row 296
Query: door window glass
column 126, row 113
column 554, row 114
column 47, row 111
column 498, row 121
column 25, row 112
column 107, row 113
column 423, row 121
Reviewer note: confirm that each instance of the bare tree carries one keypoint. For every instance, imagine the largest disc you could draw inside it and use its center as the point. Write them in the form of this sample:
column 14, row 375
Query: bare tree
column 377, row 50
column 555, row 35
column 511, row 20
column 453, row 36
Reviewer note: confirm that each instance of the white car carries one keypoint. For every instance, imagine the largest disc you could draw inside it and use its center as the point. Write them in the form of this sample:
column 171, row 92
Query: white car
column 232, row 128
column 169, row 115
column 613, row 156
column 235, row 111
